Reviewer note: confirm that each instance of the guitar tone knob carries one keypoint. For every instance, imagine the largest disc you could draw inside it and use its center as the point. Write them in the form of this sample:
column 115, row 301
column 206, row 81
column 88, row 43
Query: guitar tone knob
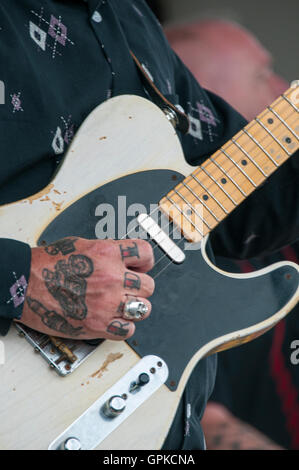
column 72, row 443
column 114, row 406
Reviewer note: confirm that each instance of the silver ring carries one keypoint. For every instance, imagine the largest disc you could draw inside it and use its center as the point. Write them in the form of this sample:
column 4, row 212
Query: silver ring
column 135, row 310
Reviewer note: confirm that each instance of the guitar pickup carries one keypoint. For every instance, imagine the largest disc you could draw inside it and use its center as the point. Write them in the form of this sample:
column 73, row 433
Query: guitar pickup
column 157, row 234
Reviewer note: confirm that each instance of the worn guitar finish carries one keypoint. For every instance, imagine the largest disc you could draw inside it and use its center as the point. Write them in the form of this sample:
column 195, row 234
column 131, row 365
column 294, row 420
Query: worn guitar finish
column 197, row 308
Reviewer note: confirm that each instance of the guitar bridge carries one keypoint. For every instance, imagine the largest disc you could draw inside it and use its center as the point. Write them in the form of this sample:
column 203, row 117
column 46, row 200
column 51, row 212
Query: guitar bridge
column 63, row 355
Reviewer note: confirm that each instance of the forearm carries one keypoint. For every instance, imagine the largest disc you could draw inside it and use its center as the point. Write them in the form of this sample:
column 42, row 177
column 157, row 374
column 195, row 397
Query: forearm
column 223, row 431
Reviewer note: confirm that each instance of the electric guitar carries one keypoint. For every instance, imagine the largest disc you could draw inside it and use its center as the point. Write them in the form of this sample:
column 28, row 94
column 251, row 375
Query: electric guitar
column 125, row 176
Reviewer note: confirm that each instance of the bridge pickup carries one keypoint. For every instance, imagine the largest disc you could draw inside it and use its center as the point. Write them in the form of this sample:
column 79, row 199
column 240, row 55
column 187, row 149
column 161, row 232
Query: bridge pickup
column 157, row 234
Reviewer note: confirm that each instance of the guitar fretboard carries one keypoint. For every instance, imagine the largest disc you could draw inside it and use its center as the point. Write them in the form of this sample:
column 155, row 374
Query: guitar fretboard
column 203, row 199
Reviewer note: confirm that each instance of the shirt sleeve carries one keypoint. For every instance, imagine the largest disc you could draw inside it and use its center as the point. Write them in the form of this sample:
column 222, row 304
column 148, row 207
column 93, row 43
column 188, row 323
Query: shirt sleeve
column 269, row 218
column 15, row 259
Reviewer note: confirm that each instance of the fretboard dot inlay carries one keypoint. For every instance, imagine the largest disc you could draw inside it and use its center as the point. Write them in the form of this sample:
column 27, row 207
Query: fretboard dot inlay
column 288, row 140
column 223, row 181
column 205, row 197
column 244, row 162
column 270, row 121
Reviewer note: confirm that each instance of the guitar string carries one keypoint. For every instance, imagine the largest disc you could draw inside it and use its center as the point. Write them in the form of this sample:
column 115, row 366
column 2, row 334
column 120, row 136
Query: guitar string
column 231, row 142
column 282, row 123
column 253, row 124
column 232, row 167
column 165, row 254
column 168, row 264
column 211, row 186
column 225, row 172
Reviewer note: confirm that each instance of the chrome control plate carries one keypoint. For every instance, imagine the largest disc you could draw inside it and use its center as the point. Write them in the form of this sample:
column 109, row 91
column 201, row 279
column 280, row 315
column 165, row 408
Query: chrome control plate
column 93, row 426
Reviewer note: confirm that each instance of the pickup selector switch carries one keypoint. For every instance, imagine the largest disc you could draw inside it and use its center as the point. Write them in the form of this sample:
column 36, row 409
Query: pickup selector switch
column 114, row 406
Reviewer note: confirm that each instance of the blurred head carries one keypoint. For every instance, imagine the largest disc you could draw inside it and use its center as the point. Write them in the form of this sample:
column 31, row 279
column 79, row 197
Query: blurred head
column 230, row 61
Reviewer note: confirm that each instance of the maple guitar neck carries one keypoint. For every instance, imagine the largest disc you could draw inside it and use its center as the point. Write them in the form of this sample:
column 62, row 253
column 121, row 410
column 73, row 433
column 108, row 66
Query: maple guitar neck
column 205, row 197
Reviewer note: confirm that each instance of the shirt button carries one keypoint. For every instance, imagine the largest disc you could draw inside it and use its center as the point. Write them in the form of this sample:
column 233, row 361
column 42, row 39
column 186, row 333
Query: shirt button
column 97, row 17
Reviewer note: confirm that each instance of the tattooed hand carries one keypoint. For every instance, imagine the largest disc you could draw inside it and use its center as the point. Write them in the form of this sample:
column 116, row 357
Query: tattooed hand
column 78, row 288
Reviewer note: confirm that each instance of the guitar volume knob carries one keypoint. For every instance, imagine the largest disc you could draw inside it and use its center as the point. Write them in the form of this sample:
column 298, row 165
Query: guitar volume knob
column 114, row 406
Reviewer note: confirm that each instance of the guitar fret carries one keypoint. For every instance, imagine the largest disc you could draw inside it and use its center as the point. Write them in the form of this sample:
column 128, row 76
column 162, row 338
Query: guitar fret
column 238, row 166
column 200, row 200
column 226, row 174
column 219, row 185
column 184, row 215
column 262, row 148
column 191, row 207
column 283, row 122
column 250, row 170
column 273, row 136
column 206, row 189
column 249, row 157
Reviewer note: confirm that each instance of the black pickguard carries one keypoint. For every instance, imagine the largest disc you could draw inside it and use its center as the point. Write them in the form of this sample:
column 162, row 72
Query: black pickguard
column 192, row 303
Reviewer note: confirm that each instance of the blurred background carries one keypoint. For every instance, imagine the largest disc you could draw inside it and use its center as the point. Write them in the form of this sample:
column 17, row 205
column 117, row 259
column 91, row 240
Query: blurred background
column 275, row 23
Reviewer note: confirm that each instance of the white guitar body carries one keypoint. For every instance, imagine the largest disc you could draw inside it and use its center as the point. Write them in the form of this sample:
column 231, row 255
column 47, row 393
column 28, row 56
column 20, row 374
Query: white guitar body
column 37, row 404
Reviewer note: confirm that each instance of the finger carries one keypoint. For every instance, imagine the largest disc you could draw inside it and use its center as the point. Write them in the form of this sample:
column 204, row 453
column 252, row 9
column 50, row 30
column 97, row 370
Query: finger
column 121, row 309
column 120, row 329
column 136, row 254
column 138, row 284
